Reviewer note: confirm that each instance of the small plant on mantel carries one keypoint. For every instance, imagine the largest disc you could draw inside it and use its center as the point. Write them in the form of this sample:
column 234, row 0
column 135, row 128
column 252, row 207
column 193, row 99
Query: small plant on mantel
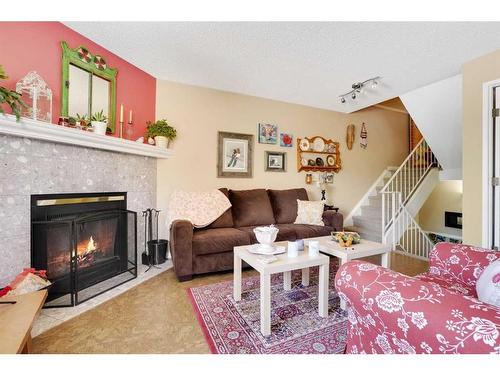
column 99, row 122
column 12, row 98
column 83, row 120
column 99, row 116
column 161, row 131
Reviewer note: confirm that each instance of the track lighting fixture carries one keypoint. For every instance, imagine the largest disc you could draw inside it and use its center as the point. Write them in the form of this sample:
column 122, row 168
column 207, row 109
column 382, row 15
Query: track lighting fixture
column 358, row 88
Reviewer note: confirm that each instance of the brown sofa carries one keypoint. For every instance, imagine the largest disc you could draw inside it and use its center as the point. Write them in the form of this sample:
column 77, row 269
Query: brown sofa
column 199, row 251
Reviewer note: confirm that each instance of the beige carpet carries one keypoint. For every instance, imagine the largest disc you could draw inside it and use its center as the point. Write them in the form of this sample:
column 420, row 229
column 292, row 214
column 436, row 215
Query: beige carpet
column 154, row 317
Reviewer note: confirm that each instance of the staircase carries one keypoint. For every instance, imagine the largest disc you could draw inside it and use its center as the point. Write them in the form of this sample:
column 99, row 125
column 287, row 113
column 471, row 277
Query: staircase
column 387, row 215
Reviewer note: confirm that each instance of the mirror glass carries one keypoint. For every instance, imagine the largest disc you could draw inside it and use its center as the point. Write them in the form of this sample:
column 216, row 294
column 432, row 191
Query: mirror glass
column 79, row 88
column 100, row 95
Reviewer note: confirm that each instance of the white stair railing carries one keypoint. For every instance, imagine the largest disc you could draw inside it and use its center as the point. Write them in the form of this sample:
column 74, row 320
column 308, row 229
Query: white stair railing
column 406, row 235
column 399, row 228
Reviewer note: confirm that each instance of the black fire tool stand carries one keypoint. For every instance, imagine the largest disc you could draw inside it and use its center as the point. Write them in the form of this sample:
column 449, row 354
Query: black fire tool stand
column 155, row 249
column 147, row 257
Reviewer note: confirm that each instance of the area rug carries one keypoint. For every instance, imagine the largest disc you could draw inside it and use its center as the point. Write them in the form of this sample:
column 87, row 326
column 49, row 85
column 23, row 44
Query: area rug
column 296, row 328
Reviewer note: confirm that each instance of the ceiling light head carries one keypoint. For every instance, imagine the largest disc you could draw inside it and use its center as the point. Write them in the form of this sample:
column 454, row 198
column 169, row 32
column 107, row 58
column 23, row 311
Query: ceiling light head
column 353, row 95
column 374, row 84
column 342, row 100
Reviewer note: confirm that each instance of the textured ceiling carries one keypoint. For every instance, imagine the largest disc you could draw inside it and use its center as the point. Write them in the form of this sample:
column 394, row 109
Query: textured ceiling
column 299, row 62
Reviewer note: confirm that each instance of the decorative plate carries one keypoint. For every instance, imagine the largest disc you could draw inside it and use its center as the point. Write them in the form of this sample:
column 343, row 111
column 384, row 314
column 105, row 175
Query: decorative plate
column 331, row 148
column 304, row 145
column 319, row 145
column 311, row 162
column 320, row 162
column 303, row 162
column 330, row 160
column 255, row 249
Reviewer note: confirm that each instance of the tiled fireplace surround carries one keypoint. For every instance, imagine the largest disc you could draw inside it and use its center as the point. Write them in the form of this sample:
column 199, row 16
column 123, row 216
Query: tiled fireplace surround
column 29, row 166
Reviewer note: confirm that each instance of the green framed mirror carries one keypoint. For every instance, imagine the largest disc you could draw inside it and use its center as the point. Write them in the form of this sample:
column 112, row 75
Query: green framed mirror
column 88, row 85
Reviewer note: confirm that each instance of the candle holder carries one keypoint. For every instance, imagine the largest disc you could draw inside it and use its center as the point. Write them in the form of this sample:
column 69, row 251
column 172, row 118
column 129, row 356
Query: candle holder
column 121, row 129
column 129, row 132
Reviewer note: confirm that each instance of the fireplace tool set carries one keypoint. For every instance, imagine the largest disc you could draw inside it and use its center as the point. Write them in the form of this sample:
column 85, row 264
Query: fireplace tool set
column 155, row 250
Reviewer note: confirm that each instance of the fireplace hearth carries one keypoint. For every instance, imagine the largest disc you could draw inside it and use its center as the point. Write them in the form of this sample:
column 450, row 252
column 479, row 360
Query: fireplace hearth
column 86, row 242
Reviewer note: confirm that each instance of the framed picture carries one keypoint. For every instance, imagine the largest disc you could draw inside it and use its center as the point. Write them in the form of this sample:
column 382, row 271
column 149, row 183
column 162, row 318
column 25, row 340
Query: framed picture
column 275, row 161
column 286, row 140
column 329, row 178
column 234, row 155
column 268, row 134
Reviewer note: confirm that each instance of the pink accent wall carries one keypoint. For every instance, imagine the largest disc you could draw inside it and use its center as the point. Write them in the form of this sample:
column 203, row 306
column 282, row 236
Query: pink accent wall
column 26, row 46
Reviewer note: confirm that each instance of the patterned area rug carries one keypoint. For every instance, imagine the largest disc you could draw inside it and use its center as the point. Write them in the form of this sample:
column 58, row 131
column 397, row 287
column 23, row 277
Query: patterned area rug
column 234, row 327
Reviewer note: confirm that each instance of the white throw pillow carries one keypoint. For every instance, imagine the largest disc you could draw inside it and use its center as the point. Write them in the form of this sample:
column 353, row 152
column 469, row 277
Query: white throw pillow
column 310, row 212
column 488, row 284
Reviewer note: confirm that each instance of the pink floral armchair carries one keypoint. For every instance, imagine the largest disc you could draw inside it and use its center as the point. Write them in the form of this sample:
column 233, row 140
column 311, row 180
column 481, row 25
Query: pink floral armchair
column 436, row 312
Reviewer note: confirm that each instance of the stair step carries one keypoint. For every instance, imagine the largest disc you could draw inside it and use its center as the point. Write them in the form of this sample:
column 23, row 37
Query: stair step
column 365, row 234
column 371, row 236
column 367, row 224
column 367, row 221
column 371, row 210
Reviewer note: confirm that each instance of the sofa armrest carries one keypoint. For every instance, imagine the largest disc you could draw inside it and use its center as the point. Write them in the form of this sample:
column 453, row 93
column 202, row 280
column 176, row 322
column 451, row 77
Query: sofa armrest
column 181, row 248
column 333, row 219
column 461, row 263
column 392, row 313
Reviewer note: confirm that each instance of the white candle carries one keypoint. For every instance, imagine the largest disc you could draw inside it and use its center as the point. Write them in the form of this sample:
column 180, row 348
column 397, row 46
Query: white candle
column 130, row 117
column 121, row 113
column 293, row 249
column 313, row 248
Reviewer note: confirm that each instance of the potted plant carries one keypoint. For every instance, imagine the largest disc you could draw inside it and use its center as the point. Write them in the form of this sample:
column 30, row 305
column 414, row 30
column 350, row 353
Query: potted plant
column 99, row 122
column 161, row 131
column 12, row 98
column 82, row 121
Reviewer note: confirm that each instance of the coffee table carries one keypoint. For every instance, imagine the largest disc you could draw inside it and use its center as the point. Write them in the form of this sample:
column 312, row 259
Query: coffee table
column 286, row 265
column 364, row 249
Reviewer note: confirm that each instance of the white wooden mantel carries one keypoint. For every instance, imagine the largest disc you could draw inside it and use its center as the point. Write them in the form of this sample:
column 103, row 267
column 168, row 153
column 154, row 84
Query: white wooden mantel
column 55, row 133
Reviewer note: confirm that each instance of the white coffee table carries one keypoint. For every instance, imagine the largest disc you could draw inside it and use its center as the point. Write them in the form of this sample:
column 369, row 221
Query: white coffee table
column 364, row 249
column 286, row 265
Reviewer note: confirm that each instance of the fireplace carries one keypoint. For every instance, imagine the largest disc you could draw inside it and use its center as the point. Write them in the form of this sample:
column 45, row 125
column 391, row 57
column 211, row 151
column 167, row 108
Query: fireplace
column 86, row 242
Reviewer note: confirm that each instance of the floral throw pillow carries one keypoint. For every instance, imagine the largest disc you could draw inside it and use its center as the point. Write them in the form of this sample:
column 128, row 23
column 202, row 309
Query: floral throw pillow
column 310, row 212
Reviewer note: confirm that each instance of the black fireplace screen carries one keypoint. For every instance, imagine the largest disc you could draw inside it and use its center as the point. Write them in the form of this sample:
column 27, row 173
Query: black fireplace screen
column 87, row 246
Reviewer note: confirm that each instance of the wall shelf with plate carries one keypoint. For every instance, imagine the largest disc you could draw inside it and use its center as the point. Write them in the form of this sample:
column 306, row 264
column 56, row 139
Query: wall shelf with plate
column 318, row 154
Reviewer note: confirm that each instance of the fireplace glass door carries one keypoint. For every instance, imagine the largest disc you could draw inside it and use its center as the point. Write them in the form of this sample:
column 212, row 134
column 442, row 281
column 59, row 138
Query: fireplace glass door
column 85, row 253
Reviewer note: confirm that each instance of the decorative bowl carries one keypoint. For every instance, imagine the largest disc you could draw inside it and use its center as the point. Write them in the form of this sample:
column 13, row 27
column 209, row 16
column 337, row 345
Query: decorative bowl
column 346, row 239
column 266, row 237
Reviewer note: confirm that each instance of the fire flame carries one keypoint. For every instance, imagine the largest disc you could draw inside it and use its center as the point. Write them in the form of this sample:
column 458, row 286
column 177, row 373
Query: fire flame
column 91, row 244
column 84, row 249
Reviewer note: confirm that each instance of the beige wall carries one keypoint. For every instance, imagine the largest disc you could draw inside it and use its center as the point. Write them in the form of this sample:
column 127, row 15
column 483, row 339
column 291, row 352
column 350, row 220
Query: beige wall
column 446, row 196
column 198, row 114
column 475, row 73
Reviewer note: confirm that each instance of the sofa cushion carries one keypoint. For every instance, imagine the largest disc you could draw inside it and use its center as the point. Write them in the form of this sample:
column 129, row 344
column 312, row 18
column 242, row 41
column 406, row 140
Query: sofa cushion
column 307, row 231
column 449, row 284
column 218, row 240
column 226, row 219
column 284, row 203
column 284, row 234
column 310, row 212
column 251, row 207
